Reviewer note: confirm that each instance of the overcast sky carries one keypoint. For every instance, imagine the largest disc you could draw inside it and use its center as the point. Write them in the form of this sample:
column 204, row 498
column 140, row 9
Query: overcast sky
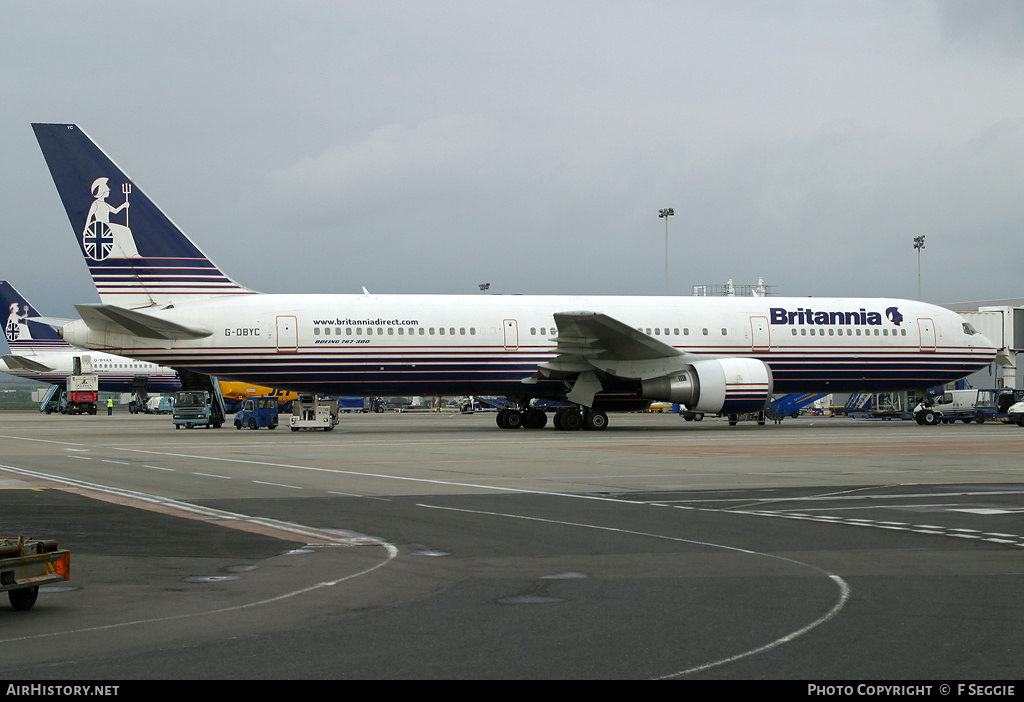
column 431, row 146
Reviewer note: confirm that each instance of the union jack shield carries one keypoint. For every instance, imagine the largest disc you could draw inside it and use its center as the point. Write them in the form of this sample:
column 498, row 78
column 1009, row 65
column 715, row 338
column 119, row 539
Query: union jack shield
column 98, row 240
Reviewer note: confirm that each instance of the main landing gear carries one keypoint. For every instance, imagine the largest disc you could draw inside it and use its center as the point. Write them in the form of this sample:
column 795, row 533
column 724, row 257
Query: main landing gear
column 566, row 419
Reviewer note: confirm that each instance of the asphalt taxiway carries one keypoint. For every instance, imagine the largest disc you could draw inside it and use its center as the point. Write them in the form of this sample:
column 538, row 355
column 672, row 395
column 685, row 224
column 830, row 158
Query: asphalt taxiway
column 439, row 546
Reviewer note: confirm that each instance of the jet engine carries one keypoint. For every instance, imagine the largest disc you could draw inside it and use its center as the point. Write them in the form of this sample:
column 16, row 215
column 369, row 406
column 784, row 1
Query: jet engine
column 716, row 386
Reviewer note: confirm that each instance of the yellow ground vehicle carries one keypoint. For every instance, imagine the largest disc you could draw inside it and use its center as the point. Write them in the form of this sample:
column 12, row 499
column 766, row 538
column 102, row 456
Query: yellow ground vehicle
column 237, row 393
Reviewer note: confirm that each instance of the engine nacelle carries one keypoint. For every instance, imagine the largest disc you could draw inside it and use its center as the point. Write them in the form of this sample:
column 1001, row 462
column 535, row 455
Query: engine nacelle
column 716, row 386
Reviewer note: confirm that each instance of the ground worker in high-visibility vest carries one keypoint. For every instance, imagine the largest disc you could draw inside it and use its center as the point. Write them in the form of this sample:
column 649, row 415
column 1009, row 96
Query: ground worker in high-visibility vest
column 110, row 406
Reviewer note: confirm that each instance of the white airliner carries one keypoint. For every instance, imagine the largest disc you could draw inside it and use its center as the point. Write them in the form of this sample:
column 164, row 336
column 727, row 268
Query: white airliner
column 163, row 301
column 38, row 353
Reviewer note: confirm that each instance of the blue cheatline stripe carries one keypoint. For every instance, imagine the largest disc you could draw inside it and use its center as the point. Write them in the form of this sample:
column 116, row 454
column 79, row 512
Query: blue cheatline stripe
column 476, row 370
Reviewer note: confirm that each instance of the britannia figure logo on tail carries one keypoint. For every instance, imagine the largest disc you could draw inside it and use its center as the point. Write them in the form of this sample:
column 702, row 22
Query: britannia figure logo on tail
column 101, row 238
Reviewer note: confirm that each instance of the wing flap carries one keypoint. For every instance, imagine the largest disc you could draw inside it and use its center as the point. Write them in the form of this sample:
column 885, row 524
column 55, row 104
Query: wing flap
column 591, row 345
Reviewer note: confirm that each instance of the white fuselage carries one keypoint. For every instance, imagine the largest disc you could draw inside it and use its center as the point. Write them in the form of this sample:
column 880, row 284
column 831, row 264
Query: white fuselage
column 116, row 373
column 488, row 344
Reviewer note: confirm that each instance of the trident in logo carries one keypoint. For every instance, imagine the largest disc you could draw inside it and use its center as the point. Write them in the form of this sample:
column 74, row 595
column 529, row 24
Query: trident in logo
column 126, row 189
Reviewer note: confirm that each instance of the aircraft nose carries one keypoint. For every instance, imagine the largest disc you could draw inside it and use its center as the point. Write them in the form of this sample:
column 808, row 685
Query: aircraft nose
column 983, row 342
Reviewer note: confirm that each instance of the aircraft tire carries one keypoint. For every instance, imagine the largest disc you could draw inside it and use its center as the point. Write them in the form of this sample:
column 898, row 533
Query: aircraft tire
column 595, row 421
column 572, row 420
column 513, row 419
column 535, row 418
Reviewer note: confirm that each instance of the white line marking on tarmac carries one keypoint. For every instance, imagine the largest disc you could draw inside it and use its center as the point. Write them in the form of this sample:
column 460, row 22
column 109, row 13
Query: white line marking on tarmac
column 391, row 551
column 844, row 588
column 293, row 487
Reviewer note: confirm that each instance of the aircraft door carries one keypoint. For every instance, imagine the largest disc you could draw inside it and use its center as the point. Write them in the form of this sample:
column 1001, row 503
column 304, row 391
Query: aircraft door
column 511, row 334
column 760, row 337
column 287, row 334
column 927, row 329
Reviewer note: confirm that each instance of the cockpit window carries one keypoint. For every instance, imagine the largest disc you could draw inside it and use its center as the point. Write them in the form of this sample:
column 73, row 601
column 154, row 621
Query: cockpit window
column 968, row 329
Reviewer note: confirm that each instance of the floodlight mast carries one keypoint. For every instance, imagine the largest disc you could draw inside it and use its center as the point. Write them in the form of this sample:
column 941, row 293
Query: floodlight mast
column 665, row 214
column 918, row 245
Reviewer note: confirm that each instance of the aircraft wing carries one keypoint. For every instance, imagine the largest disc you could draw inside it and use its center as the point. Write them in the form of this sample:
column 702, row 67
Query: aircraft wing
column 23, row 363
column 590, row 343
column 118, row 320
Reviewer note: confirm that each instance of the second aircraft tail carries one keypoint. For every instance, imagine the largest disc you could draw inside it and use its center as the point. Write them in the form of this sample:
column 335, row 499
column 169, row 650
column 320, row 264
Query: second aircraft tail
column 26, row 337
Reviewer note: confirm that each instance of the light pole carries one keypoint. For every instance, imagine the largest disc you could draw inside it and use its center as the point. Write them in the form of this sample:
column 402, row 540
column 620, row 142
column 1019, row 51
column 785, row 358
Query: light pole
column 919, row 244
column 665, row 214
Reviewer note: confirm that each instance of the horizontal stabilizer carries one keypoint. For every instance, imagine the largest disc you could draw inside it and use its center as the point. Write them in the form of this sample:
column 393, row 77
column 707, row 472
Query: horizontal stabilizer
column 110, row 318
column 55, row 322
column 25, row 364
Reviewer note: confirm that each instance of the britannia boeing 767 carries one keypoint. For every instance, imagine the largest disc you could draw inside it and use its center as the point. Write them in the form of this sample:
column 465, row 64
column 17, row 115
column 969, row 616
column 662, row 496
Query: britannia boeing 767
column 163, row 301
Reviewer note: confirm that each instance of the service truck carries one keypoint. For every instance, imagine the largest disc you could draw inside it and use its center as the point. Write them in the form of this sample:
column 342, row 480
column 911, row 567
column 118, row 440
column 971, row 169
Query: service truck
column 257, row 412
column 312, row 412
column 83, row 393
